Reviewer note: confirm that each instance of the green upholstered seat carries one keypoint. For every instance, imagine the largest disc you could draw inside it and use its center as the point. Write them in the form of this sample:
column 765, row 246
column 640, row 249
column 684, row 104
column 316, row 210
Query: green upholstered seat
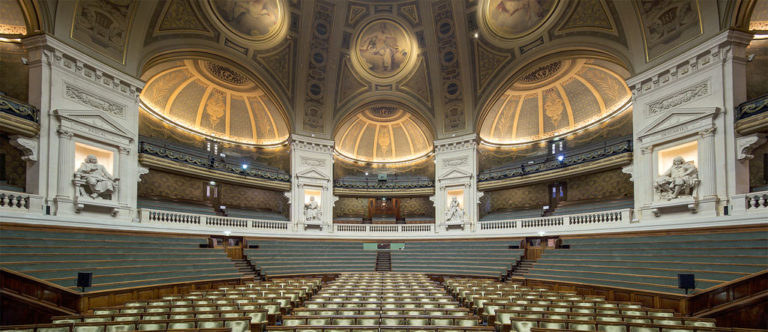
column 210, row 324
column 120, row 327
column 181, row 325
column 151, row 326
column 343, row 321
column 523, row 325
column 240, row 325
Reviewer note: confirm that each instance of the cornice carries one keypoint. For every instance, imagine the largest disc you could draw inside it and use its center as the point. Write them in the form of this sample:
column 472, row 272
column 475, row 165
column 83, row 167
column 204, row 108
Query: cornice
column 715, row 51
column 456, row 143
column 384, row 192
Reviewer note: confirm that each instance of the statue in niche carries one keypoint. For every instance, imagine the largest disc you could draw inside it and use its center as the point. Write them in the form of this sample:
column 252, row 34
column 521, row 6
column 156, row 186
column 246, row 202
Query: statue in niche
column 93, row 180
column 679, row 180
column 312, row 210
column 454, row 213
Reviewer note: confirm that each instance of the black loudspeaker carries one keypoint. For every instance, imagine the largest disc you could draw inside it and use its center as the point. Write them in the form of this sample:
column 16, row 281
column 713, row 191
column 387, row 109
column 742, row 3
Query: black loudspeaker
column 203, row 245
column 565, row 246
column 514, row 247
column 253, row 246
column 84, row 279
column 686, row 281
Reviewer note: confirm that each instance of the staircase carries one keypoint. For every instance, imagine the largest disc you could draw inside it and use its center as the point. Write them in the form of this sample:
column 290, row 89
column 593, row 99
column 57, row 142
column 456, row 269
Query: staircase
column 522, row 268
column 246, row 268
column 383, row 261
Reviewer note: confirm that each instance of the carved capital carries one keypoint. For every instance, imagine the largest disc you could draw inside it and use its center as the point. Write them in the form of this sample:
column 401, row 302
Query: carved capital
column 64, row 134
column 124, row 150
column 646, row 150
column 28, row 146
column 745, row 145
column 709, row 132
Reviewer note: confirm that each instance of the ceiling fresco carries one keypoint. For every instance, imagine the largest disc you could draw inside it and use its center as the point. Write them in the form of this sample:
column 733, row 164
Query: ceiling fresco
column 214, row 100
column 555, row 98
column 511, row 19
column 383, row 133
column 322, row 60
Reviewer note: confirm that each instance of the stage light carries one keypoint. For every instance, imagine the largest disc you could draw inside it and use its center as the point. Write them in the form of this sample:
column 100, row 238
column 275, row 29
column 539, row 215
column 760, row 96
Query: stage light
column 245, row 166
column 560, row 158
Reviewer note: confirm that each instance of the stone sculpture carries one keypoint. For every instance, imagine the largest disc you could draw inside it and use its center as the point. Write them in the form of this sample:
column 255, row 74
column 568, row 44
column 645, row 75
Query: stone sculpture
column 454, row 213
column 312, row 210
column 679, row 180
column 93, row 180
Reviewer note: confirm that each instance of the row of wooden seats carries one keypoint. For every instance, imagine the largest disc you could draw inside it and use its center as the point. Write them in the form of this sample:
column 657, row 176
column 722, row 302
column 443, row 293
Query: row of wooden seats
column 333, row 328
column 233, row 324
column 385, row 320
column 352, row 312
column 505, row 317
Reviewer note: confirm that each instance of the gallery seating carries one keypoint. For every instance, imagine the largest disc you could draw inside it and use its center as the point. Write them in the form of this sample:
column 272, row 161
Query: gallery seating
column 116, row 261
column 481, row 258
column 653, row 262
column 276, row 258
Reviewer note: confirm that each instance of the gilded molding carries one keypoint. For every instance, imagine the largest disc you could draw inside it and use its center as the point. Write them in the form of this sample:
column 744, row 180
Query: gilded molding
column 384, row 192
column 16, row 125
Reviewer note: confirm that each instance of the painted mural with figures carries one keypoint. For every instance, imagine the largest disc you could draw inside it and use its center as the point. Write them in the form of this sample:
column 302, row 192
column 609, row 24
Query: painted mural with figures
column 251, row 19
column 383, row 48
column 516, row 18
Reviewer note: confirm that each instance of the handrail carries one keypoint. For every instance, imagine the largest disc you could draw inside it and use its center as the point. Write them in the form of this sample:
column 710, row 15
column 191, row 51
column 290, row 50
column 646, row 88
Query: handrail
column 549, row 162
column 19, row 109
column 174, row 154
column 752, row 107
column 413, row 228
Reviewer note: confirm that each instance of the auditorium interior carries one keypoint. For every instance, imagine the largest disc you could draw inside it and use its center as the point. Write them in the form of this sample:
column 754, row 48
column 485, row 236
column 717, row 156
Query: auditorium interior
column 384, row 165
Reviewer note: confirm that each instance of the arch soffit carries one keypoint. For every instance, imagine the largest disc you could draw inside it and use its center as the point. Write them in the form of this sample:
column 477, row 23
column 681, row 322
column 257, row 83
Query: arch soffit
column 167, row 57
column 208, row 53
column 352, row 112
column 370, row 98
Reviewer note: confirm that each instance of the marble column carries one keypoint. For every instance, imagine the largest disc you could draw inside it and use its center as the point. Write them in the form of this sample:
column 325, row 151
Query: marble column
column 64, row 189
column 707, row 164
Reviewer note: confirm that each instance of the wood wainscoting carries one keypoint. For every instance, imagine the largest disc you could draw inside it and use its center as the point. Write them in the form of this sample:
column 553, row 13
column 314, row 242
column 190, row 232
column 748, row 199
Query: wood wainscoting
column 28, row 300
column 740, row 303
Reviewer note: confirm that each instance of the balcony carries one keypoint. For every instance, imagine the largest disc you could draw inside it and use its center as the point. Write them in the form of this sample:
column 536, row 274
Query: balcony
column 393, row 186
column 18, row 118
column 589, row 159
column 199, row 163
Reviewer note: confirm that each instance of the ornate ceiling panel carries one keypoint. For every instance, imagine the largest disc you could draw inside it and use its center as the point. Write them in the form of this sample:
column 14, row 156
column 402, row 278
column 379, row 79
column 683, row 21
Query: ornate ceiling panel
column 383, row 134
column 555, row 98
column 215, row 100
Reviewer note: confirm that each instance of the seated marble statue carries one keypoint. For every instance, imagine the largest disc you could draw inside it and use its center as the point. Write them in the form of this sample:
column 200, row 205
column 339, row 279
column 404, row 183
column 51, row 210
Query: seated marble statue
column 679, row 180
column 454, row 212
column 97, row 181
column 312, row 210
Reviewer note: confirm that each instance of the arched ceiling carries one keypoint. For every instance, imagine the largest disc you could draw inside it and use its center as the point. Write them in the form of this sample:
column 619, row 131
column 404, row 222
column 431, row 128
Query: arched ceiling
column 554, row 98
column 214, row 99
column 324, row 59
column 383, row 134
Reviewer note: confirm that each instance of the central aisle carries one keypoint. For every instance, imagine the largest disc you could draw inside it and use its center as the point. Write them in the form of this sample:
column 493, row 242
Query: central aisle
column 381, row 301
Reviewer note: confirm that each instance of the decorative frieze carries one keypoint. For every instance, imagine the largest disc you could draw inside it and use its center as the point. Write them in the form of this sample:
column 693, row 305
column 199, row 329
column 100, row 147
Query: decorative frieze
column 678, row 98
column 83, row 97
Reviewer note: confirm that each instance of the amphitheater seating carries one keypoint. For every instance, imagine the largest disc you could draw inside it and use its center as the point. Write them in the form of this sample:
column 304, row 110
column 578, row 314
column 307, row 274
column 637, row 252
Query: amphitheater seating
column 512, row 307
column 117, row 261
column 653, row 262
column 590, row 206
column 481, row 258
column 276, row 258
column 246, row 307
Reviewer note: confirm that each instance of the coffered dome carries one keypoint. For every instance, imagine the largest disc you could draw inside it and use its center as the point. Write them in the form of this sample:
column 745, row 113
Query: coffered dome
column 215, row 100
column 383, row 134
column 555, row 98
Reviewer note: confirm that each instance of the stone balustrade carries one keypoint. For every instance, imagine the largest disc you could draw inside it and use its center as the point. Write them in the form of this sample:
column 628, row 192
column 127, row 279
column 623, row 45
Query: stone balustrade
column 150, row 216
column 750, row 203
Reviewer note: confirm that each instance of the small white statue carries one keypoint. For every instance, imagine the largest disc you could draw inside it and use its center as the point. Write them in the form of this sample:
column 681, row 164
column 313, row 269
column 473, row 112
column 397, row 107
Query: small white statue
column 454, row 213
column 312, row 210
column 95, row 181
column 679, row 180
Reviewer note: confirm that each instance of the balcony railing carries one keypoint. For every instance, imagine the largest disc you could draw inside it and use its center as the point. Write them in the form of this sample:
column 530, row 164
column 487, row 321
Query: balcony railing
column 16, row 108
column 559, row 223
column 195, row 221
column 361, row 182
column 418, row 228
column 753, row 107
column 177, row 154
column 550, row 162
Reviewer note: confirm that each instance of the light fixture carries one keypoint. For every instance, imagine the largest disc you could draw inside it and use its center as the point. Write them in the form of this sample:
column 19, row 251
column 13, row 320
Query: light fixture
column 245, row 166
column 366, row 173
column 541, row 233
column 476, row 35
column 560, row 158
column 227, row 233
column 213, row 183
